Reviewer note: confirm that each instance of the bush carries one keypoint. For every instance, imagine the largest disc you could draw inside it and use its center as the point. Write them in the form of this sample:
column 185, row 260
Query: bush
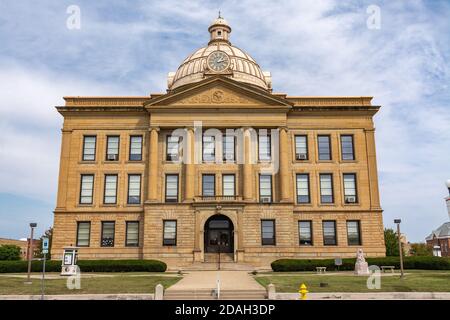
column 87, row 266
column 423, row 263
column 9, row 252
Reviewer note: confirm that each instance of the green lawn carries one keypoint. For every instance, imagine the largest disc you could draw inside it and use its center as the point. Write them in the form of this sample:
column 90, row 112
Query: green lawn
column 414, row 280
column 116, row 283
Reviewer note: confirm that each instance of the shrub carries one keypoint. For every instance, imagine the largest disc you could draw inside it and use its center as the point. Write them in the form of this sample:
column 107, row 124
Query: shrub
column 9, row 252
column 87, row 266
column 423, row 263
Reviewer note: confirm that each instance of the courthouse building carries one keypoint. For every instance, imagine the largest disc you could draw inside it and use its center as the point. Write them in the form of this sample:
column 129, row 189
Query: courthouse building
column 218, row 163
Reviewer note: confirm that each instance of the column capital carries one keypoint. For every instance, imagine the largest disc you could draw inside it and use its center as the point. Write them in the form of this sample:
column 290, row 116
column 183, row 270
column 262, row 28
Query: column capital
column 284, row 128
column 151, row 128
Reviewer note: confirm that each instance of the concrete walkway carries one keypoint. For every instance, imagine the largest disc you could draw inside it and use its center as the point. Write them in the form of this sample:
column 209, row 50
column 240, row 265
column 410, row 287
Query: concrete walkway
column 229, row 280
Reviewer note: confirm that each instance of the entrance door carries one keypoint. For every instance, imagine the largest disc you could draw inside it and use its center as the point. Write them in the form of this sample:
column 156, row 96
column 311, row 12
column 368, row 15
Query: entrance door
column 219, row 234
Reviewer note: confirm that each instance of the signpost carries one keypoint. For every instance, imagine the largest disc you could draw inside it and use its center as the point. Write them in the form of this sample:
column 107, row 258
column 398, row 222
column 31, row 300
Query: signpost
column 45, row 245
column 338, row 262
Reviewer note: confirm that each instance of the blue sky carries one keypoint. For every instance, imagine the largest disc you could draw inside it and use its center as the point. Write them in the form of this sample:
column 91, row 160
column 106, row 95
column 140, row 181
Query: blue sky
column 311, row 47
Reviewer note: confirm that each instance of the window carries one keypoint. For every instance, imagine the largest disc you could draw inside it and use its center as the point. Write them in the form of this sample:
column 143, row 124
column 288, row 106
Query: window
column 110, row 195
column 268, row 232
column 303, row 188
column 132, row 234
column 208, row 185
column 301, row 148
column 347, row 147
column 324, row 147
column 112, row 148
column 83, row 233
column 228, row 185
column 265, row 188
column 89, row 148
column 326, row 188
column 87, row 188
column 108, row 233
column 353, row 233
column 350, row 194
column 305, row 233
column 134, row 189
column 173, row 148
column 264, row 147
column 329, row 233
column 170, row 233
column 135, row 148
column 228, row 148
column 171, row 188
column 209, row 148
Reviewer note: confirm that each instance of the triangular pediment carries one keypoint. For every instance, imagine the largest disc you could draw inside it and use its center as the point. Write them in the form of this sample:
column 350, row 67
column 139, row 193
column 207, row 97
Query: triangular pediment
column 218, row 92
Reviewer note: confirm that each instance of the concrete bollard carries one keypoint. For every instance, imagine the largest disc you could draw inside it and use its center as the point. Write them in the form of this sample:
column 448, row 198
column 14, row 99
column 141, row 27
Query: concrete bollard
column 159, row 292
column 271, row 292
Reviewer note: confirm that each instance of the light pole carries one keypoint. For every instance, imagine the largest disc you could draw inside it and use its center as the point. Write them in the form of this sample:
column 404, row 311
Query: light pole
column 397, row 221
column 30, row 251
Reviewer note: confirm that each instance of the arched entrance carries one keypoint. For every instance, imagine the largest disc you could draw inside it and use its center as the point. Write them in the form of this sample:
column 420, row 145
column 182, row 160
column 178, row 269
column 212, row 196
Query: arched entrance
column 219, row 234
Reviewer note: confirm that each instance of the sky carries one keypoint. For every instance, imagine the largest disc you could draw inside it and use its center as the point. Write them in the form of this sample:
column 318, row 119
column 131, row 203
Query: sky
column 396, row 51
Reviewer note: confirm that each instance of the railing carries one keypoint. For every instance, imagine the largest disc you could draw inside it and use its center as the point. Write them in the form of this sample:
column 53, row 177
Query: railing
column 218, row 198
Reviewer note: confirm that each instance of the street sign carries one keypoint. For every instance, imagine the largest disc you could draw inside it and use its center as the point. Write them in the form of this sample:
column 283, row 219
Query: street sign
column 338, row 262
column 45, row 245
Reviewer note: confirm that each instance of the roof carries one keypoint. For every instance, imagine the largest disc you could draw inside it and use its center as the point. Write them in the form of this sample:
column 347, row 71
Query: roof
column 442, row 232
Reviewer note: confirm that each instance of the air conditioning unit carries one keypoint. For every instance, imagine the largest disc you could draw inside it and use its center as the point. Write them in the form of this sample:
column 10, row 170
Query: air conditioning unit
column 112, row 157
column 229, row 157
column 350, row 199
column 301, row 156
column 266, row 199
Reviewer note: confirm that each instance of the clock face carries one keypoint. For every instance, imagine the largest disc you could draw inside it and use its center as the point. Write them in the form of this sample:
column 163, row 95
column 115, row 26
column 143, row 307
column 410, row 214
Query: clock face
column 218, row 61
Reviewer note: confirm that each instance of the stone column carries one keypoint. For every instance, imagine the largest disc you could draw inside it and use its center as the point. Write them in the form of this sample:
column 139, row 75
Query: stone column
column 284, row 174
column 189, row 184
column 153, row 165
column 372, row 169
column 247, row 179
column 63, row 168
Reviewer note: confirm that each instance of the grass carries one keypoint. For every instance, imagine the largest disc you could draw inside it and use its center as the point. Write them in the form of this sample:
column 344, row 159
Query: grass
column 116, row 283
column 413, row 281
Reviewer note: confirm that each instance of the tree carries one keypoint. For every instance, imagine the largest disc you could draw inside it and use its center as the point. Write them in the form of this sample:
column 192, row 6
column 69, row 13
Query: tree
column 391, row 242
column 49, row 234
column 9, row 252
column 421, row 249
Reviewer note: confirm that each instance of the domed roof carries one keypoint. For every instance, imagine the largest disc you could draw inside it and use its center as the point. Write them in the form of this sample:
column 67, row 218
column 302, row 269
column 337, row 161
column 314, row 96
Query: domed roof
column 242, row 67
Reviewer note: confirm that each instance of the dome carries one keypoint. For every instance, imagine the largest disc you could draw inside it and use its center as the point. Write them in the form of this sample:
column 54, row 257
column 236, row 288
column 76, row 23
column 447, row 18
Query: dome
column 240, row 66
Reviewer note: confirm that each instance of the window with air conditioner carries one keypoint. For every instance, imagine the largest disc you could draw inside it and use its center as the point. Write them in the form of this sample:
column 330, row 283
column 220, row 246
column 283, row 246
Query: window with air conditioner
column 350, row 192
column 112, row 148
column 301, row 147
column 265, row 188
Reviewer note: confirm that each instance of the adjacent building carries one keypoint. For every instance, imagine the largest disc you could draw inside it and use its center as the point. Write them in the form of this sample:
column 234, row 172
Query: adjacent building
column 439, row 239
column 218, row 163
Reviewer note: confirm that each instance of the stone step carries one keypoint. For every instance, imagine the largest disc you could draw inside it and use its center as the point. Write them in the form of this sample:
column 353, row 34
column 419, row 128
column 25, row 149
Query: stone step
column 210, row 266
column 209, row 294
column 214, row 257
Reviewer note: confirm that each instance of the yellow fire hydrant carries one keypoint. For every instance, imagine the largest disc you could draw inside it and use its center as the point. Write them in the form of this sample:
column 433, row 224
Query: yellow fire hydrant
column 303, row 291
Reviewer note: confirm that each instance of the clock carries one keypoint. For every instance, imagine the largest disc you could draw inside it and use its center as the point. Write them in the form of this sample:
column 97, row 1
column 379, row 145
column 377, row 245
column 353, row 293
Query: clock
column 218, row 61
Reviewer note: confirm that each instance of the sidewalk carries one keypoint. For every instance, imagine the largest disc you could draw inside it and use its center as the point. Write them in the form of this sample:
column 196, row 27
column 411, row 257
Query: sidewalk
column 366, row 296
column 229, row 280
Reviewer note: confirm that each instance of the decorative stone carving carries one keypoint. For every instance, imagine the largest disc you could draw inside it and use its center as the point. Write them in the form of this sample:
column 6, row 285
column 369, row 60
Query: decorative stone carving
column 216, row 96
column 361, row 266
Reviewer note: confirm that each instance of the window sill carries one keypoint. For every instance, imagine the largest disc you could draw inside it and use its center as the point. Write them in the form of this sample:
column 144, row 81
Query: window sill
column 110, row 162
column 133, row 205
column 82, row 205
column 109, row 205
column 87, row 162
column 349, row 161
column 356, row 204
column 135, row 162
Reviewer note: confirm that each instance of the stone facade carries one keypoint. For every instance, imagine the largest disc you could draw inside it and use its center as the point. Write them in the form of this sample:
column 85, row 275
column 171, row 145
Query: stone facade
column 221, row 102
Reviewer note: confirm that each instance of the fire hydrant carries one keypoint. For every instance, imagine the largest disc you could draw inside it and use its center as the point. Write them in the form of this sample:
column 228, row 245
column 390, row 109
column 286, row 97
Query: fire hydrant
column 303, row 291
